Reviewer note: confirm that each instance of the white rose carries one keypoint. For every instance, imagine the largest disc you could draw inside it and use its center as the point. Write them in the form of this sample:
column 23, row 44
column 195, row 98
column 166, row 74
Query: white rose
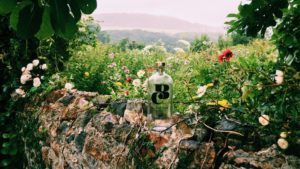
column 20, row 92
column 29, row 66
column 44, row 67
column 279, row 73
column 23, row 69
column 24, row 78
column 36, row 82
column 136, row 82
column 140, row 73
column 283, row 134
column 35, row 62
column 282, row 143
column 279, row 79
column 69, row 86
column 264, row 119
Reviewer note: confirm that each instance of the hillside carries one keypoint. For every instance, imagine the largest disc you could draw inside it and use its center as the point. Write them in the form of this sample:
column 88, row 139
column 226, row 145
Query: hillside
column 117, row 21
column 148, row 29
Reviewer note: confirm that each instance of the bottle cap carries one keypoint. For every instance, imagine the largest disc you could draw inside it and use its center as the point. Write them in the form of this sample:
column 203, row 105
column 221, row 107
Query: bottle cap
column 160, row 64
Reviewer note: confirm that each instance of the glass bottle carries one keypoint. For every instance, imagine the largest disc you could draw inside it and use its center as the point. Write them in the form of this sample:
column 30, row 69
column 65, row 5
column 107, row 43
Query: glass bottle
column 160, row 86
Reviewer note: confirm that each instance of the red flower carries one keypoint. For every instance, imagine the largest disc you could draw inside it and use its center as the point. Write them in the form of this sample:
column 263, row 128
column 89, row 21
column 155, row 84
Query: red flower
column 126, row 93
column 227, row 54
column 129, row 79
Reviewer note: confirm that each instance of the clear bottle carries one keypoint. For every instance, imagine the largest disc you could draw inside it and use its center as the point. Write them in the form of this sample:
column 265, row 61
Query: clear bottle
column 160, row 86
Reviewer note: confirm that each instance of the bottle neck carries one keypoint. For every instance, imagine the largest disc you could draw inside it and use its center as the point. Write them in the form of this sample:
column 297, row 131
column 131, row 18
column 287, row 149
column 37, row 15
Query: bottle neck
column 160, row 70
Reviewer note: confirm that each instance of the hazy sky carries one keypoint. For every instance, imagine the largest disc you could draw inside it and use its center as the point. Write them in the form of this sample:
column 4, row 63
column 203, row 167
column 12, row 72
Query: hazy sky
column 208, row 12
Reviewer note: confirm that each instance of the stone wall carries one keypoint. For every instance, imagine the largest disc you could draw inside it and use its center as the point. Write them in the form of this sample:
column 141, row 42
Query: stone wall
column 82, row 131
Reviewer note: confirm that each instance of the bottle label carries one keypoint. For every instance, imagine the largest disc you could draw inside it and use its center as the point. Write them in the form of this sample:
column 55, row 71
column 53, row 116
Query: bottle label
column 161, row 92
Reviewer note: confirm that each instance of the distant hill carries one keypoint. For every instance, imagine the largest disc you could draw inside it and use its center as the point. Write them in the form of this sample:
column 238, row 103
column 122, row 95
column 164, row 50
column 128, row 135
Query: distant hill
column 149, row 29
column 153, row 23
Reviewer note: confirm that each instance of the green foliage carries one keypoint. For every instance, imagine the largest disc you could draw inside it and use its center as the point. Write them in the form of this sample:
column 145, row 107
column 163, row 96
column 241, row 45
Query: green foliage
column 223, row 42
column 43, row 18
column 15, row 54
column 254, row 18
column 200, row 44
column 239, row 39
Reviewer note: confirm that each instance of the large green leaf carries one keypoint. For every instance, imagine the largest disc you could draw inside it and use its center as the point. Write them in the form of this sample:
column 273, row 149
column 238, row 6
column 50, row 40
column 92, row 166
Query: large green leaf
column 30, row 18
column 6, row 6
column 62, row 19
column 46, row 29
column 75, row 10
column 87, row 6
column 14, row 17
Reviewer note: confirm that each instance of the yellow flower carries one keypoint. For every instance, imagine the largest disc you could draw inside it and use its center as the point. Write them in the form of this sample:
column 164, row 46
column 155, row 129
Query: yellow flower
column 195, row 97
column 118, row 84
column 282, row 143
column 210, row 85
column 86, row 74
column 224, row 103
column 211, row 103
column 264, row 120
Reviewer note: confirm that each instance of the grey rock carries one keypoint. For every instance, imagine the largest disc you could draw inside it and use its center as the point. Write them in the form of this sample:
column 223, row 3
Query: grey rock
column 189, row 144
column 85, row 117
column 118, row 107
column 70, row 138
column 101, row 101
column 63, row 127
column 67, row 99
column 80, row 140
column 200, row 133
column 225, row 124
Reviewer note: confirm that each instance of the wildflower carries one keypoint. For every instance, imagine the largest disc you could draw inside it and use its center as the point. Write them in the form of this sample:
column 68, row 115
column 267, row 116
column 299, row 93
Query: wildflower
column 29, row 66
column 210, row 85
column 126, row 71
column 23, row 69
column 128, row 79
column 279, row 77
column 227, row 54
column 112, row 65
column 24, row 78
column 126, row 93
column 136, row 82
column 20, row 91
column 111, row 55
column 186, row 62
column 44, row 66
column 86, row 74
column 35, row 62
column 140, row 73
column 224, row 103
column 201, row 91
column 211, row 103
column 282, row 143
column 36, row 82
column 264, row 119
column 69, row 86
column 118, row 84
column 259, row 86
column 283, row 134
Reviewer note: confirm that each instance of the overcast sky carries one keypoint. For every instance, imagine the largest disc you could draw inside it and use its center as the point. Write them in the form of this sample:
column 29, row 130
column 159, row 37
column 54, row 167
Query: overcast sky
column 208, row 12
